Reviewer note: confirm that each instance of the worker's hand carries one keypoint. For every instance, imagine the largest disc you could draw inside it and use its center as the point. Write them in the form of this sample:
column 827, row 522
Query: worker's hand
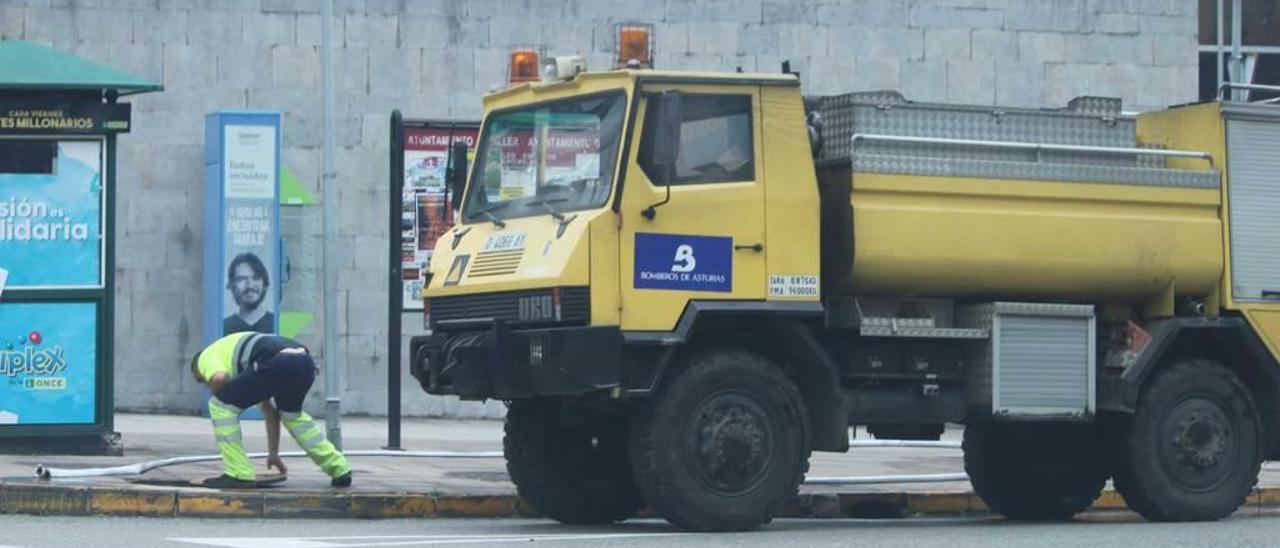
column 217, row 382
column 275, row 462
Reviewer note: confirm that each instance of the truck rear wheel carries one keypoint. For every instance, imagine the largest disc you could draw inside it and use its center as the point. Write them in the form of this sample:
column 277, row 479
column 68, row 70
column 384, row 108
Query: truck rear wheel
column 1192, row 450
column 570, row 473
column 723, row 444
column 1034, row 471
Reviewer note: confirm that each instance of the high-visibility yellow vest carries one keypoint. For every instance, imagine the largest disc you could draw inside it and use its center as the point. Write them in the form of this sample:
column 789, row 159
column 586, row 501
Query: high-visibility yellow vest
column 220, row 357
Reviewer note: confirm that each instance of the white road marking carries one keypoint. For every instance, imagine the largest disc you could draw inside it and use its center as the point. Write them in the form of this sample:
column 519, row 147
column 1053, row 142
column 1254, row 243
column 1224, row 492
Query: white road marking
column 246, row 542
column 398, row 540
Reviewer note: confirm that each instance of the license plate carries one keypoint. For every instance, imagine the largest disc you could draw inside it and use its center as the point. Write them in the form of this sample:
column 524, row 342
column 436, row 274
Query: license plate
column 505, row 241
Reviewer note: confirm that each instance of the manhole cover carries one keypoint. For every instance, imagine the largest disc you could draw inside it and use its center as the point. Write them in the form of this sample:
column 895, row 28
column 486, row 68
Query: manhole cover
column 480, row 476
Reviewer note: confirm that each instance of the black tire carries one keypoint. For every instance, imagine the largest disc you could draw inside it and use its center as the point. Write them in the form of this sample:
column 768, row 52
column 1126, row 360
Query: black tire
column 723, row 444
column 1035, row 471
column 572, row 474
column 1192, row 450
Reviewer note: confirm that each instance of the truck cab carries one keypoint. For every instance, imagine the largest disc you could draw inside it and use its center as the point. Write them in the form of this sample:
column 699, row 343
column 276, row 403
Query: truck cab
column 599, row 208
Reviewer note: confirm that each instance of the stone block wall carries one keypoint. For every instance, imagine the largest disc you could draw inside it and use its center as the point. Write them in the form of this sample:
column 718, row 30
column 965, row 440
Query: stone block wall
column 435, row 59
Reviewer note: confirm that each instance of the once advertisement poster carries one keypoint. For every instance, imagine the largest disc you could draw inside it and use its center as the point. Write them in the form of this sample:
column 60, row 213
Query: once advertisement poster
column 249, row 243
column 51, row 214
column 48, row 353
column 426, row 215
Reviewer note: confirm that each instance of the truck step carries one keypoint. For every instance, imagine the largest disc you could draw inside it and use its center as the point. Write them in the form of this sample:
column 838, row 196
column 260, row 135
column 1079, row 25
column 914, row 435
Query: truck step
column 898, row 322
column 916, row 328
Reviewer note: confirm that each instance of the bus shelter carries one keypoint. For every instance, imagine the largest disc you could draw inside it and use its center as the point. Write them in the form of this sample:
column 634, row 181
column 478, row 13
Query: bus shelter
column 60, row 116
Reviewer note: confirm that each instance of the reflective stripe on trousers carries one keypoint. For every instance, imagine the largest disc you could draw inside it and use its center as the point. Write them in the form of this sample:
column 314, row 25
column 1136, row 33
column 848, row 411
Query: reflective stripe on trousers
column 311, row 438
column 226, row 431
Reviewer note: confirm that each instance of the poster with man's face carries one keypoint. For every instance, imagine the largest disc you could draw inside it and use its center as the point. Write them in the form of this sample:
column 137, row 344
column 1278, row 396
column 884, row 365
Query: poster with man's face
column 250, row 245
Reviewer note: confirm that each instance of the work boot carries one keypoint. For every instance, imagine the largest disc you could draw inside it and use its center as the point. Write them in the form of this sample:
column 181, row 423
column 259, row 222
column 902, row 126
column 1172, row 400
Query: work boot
column 227, row 482
column 341, row 481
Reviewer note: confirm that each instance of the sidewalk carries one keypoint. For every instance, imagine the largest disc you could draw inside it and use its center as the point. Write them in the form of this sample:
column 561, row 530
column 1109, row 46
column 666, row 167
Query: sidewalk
column 423, row 487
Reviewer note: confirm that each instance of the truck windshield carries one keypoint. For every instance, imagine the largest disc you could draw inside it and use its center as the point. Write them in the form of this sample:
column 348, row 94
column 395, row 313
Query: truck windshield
column 551, row 157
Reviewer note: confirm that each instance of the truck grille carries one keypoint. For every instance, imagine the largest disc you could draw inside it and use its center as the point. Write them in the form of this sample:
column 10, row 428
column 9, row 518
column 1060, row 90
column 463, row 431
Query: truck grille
column 495, row 263
column 575, row 306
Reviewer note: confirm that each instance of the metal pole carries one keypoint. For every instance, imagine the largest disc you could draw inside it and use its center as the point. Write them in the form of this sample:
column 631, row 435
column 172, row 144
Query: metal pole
column 395, row 284
column 1237, row 59
column 1219, row 54
column 333, row 362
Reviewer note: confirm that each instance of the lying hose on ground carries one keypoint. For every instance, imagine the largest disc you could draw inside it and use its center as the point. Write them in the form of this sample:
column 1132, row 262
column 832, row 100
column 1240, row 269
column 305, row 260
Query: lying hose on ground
column 45, row 473
column 142, row 467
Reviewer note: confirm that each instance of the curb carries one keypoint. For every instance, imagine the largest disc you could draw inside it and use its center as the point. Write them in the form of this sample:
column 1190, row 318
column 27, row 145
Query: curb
column 79, row 500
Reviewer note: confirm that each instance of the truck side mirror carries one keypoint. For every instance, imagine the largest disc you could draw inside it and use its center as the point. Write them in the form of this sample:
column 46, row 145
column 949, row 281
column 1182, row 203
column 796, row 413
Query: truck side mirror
column 666, row 142
column 456, row 173
column 667, row 118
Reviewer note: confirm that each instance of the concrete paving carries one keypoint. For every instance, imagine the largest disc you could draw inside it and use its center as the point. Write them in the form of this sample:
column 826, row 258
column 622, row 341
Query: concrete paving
column 151, row 437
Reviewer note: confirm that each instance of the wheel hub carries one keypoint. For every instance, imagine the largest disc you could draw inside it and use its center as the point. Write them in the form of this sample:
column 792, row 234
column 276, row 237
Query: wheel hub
column 1201, row 441
column 731, row 445
column 1198, row 446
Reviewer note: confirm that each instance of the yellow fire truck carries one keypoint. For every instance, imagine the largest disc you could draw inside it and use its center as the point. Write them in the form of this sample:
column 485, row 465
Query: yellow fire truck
column 683, row 283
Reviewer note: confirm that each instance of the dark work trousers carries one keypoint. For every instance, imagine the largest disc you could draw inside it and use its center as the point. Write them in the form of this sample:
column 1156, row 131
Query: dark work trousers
column 286, row 377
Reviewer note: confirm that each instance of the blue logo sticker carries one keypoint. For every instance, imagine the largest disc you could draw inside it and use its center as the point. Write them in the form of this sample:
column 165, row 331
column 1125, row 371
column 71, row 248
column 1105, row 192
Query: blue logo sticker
column 677, row 261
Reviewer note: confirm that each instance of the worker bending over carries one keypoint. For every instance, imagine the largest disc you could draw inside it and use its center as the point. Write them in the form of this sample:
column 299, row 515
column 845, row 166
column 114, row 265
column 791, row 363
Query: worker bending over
column 243, row 369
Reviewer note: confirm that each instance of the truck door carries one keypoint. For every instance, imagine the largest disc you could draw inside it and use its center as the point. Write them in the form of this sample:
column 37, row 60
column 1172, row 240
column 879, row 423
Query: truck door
column 1253, row 133
column 707, row 240
column 1253, row 165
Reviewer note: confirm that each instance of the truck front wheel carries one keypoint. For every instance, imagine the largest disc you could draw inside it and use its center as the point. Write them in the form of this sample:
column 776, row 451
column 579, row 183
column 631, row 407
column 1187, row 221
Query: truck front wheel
column 723, row 444
column 1192, row 450
column 570, row 473
column 1034, row 471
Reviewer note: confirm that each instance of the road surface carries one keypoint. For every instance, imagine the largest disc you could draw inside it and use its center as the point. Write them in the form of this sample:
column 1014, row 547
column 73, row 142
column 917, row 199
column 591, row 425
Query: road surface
column 1121, row 530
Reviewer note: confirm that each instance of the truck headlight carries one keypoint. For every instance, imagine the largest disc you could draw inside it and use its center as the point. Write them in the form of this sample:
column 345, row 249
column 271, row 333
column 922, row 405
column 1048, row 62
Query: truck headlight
column 535, row 351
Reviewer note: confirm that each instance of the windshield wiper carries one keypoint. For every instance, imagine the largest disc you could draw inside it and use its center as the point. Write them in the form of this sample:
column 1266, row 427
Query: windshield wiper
column 488, row 214
column 493, row 218
column 547, row 204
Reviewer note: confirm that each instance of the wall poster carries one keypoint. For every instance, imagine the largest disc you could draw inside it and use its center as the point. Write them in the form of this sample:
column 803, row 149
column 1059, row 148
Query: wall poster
column 425, row 216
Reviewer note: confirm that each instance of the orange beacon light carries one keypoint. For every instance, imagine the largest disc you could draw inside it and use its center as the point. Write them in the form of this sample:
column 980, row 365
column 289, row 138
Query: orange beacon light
column 523, row 66
column 635, row 46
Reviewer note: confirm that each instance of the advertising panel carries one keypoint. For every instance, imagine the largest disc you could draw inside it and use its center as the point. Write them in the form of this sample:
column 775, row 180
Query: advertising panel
column 48, row 353
column 62, row 117
column 250, row 257
column 51, row 221
column 425, row 216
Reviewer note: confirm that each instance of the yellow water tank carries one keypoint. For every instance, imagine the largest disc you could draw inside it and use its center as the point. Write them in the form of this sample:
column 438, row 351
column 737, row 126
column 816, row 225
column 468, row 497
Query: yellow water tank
column 981, row 202
column 958, row 236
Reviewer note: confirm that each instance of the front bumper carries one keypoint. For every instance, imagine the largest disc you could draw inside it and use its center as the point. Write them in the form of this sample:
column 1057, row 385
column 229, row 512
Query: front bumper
column 497, row 362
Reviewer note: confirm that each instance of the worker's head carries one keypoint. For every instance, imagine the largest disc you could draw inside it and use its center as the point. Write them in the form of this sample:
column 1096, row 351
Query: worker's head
column 248, row 280
column 195, row 368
